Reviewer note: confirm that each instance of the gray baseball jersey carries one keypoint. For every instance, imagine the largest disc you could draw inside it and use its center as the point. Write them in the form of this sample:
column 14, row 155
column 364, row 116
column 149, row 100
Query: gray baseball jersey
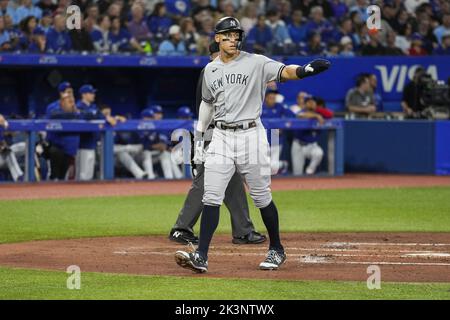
column 236, row 89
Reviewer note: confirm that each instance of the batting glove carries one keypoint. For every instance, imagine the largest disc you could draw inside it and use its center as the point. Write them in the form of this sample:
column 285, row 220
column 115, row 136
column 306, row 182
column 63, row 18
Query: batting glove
column 312, row 68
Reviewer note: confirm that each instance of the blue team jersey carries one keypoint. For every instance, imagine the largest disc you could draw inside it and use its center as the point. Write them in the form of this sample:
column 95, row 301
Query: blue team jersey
column 307, row 136
column 120, row 41
column 277, row 111
column 178, row 7
column 67, row 141
column 88, row 140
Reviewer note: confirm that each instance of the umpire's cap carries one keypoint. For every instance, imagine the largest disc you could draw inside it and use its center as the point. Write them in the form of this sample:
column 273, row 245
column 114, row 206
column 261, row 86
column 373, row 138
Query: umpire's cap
column 184, row 112
column 147, row 113
column 228, row 24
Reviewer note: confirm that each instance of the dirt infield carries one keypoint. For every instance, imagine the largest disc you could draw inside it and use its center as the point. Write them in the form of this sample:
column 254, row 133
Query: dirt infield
column 402, row 257
column 130, row 188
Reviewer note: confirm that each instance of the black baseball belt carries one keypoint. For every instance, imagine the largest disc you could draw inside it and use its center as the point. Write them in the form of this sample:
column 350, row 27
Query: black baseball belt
column 242, row 126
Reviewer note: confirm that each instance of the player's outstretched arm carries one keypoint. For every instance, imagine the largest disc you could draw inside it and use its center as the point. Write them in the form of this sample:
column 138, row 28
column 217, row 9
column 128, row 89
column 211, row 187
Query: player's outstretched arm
column 295, row 72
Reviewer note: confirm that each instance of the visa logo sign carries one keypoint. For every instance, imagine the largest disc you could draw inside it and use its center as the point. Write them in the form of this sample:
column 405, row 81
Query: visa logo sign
column 397, row 76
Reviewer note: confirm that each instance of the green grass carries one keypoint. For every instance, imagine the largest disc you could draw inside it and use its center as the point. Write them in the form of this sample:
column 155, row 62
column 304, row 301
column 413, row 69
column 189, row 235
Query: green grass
column 388, row 210
column 32, row 284
column 396, row 209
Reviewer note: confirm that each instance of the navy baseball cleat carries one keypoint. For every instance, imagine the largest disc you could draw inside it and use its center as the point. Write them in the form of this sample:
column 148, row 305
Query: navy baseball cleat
column 182, row 236
column 274, row 259
column 251, row 238
column 192, row 261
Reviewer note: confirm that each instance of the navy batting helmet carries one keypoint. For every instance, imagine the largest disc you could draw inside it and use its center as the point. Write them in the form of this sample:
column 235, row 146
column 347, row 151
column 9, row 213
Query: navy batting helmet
column 227, row 24
column 184, row 112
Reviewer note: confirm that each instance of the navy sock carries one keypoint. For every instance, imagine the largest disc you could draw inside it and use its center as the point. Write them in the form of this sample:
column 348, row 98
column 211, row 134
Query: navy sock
column 208, row 225
column 269, row 216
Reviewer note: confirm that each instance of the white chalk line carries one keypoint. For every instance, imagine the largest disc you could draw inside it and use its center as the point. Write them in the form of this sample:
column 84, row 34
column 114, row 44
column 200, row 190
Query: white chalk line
column 262, row 254
column 242, row 248
column 385, row 244
column 379, row 263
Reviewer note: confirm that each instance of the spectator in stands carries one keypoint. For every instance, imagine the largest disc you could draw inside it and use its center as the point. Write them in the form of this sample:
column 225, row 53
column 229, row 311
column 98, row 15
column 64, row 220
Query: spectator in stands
column 360, row 7
column 403, row 41
column 114, row 10
column 345, row 30
column 374, row 46
column 260, row 37
column 49, row 5
column 346, row 47
column 121, row 40
column 339, row 8
column 138, row 26
column 417, row 48
column 159, row 22
column 285, row 11
column 444, row 28
column 189, row 34
column 282, row 42
column 12, row 30
column 7, row 10
column 7, row 152
column 315, row 46
column 318, row 24
column 58, row 40
column 297, row 29
column 304, row 145
column 412, row 5
column 444, row 47
column 429, row 40
column 27, row 9
column 332, row 49
column 174, row 46
column 46, row 21
column 391, row 48
column 101, row 38
column 5, row 40
column 81, row 39
column 226, row 7
column 32, row 38
column 92, row 14
column 249, row 17
column 360, row 100
column 411, row 102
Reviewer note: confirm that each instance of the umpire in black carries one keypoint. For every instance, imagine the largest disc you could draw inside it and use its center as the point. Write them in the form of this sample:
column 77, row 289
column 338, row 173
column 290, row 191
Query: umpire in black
column 235, row 198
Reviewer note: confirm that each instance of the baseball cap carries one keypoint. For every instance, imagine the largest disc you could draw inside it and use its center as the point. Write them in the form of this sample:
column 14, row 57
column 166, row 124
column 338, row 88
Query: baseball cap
column 156, row 108
column 174, row 29
column 147, row 112
column 345, row 40
column 184, row 112
column 63, row 86
column 416, row 36
column 87, row 88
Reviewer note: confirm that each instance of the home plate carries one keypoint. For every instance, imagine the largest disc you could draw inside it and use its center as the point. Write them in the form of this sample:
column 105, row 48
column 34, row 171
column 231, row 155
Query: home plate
column 427, row 255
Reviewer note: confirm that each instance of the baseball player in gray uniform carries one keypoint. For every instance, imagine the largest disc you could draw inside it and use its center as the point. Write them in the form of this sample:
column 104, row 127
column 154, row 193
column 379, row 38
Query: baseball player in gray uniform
column 233, row 91
column 235, row 199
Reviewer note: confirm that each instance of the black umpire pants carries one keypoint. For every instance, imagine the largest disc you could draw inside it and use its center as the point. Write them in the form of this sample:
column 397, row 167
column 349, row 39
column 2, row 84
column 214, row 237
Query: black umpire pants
column 235, row 200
